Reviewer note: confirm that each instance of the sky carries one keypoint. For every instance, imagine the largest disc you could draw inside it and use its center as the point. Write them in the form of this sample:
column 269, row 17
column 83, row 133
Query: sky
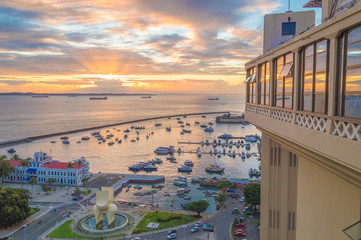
column 131, row 46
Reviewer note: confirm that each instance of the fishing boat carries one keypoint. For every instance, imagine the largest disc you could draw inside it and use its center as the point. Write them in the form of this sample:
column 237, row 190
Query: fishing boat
column 65, row 142
column 127, row 130
column 78, row 142
column 11, row 150
column 219, row 154
column 98, row 98
column 164, row 150
column 125, row 136
column 158, row 124
column 214, row 169
column 185, row 169
column 150, row 168
column 234, row 154
column 186, row 131
column 213, row 98
column 171, row 158
column 209, row 129
column 188, row 163
column 248, row 146
column 95, row 133
column 168, row 129
column 180, row 122
column 203, row 116
column 146, row 96
column 64, row 138
column 188, row 124
column 242, row 143
column 243, row 155
column 85, row 138
column 53, row 141
column 203, row 126
column 120, row 141
column 182, row 178
column 225, row 136
column 199, row 152
column 110, row 143
column 196, row 122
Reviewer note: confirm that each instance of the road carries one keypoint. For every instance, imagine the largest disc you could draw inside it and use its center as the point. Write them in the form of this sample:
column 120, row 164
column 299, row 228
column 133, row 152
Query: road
column 48, row 220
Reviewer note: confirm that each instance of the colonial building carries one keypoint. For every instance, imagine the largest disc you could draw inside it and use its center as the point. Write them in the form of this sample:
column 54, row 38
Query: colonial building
column 305, row 97
column 44, row 167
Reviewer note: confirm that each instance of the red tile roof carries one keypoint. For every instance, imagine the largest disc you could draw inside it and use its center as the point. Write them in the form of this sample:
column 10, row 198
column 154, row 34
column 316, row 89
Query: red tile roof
column 62, row 165
column 14, row 163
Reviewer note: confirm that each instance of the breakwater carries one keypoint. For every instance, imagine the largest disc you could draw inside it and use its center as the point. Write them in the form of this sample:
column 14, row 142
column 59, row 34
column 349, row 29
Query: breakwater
column 30, row 139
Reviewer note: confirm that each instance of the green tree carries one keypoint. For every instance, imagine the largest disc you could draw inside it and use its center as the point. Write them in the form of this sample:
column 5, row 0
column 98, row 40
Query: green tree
column 14, row 206
column 224, row 185
column 221, row 198
column 197, row 206
column 252, row 194
column 24, row 163
column 70, row 165
column 84, row 181
column 46, row 188
column 51, row 181
column 16, row 157
column 33, row 181
column 5, row 168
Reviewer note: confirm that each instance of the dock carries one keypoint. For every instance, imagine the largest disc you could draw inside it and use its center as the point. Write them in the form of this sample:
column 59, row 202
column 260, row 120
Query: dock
column 30, row 139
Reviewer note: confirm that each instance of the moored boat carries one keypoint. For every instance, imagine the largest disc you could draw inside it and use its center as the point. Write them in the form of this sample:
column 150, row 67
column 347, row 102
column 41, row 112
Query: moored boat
column 185, row 169
column 215, row 168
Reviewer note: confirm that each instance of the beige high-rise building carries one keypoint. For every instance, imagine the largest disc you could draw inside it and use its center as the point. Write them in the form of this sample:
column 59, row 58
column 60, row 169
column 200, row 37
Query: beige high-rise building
column 305, row 97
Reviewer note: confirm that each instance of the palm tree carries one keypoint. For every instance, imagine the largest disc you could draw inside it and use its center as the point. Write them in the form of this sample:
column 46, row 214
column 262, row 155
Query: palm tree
column 5, row 168
column 16, row 157
column 33, row 181
column 70, row 165
column 84, row 181
column 24, row 163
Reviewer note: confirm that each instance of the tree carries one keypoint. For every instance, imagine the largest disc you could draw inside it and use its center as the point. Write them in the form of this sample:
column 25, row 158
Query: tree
column 51, row 181
column 197, row 206
column 24, row 163
column 15, row 157
column 14, row 206
column 252, row 194
column 70, row 165
column 5, row 168
column 46, row 188
column 224, row 185
column 221, row 198
column 33, row 181
column 84, row 181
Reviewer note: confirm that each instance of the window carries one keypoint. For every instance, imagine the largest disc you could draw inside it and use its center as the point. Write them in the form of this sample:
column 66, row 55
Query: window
column 251, row 85
column 315, row 77
column 284, row 81
column 288, row 28
column 351, row 73
column 264, row 83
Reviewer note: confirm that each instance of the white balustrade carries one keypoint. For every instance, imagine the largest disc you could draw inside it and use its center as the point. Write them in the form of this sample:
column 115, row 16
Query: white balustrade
column 311, row 122
column 351, row 131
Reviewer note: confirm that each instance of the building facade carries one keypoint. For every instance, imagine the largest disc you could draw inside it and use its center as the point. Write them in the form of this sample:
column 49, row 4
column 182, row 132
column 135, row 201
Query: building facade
column 305, row 97
column 43, row 167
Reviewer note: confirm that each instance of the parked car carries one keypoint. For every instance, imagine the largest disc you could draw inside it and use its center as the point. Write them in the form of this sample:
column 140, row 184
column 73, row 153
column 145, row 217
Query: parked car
column 198, row 224
column 172, row 236
column 172, row 231
column 240, row 234
column 195, row 229
column 240, row 225
column 238, row 230
column 241, row 199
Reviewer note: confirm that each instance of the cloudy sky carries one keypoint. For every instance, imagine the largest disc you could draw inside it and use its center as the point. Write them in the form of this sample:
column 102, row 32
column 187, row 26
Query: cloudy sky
column 143, row 46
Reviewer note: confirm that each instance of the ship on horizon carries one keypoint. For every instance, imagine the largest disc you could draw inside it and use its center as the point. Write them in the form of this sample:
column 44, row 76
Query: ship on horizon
column 98, row 98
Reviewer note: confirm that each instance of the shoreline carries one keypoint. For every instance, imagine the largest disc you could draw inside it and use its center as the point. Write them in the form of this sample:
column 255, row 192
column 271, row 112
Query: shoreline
column 30, row 139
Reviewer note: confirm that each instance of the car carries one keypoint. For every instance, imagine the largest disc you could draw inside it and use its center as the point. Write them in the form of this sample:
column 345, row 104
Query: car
column 172, row 236
column 240, row 225
column 195, row 229
column 235, row 210
column 198, row 224
column 172, row 231
column 244, row 210
column 241, row 199
column 238, row 230
column 240, row 234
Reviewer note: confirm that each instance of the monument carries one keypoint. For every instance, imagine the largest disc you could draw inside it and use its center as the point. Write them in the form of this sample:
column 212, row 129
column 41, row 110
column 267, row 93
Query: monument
column 104, row 204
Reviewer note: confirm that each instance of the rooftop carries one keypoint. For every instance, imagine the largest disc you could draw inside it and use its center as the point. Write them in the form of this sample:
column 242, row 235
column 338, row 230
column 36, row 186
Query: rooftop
column 62, row 165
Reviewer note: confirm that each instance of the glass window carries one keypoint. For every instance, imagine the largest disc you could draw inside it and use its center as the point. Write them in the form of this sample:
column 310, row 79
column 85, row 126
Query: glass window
column 251, row 85
column 284, row 81
column 261, row 71
column 351, row 90
column 315, row 77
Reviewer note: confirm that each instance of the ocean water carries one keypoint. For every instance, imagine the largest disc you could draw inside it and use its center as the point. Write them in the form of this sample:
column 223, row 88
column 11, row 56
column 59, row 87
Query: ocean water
column 31, row 117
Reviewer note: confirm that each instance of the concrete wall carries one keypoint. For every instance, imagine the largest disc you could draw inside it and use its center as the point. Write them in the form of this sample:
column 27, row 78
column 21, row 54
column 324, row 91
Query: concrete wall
column 273, row 26
column 326, row 204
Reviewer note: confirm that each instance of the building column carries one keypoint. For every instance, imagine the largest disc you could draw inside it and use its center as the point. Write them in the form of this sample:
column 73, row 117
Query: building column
column 296, row 80
column 272, row 82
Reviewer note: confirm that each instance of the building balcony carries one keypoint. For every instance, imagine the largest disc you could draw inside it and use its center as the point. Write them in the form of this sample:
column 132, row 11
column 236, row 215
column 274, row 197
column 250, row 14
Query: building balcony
column 335, row 139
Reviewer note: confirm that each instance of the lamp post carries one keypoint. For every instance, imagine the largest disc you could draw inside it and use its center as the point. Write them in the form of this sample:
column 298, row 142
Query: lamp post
column 184, row 227
column 25, row 231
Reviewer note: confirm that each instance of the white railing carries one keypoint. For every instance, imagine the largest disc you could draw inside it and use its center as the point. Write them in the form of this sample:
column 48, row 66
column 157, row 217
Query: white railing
column 311, row 122
column 340, row 127
column 344, row 129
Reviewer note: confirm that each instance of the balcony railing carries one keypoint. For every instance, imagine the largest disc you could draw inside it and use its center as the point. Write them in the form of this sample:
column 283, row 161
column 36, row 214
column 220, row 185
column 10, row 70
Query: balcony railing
column 335, row 126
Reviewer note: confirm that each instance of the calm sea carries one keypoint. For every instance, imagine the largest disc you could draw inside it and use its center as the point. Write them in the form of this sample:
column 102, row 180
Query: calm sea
column 25, row 116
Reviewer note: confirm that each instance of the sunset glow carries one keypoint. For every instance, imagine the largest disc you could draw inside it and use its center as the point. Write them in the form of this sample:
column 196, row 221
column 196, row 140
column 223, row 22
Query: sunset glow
column 129, row 46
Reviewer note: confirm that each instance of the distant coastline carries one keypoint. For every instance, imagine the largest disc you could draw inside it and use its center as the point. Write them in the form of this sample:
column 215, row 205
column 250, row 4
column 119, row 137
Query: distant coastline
column 75, row 94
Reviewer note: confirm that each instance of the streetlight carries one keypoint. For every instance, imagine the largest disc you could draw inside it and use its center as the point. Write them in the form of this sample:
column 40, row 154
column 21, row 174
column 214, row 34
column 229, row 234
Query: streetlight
column 25, row 231
column 184, row 227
